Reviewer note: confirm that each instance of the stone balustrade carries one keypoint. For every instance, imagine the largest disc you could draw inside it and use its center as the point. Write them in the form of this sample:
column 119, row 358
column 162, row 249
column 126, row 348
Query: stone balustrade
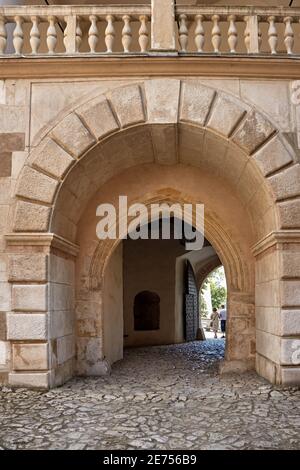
column 138, row 29
column 244, row 30
column 67, row 30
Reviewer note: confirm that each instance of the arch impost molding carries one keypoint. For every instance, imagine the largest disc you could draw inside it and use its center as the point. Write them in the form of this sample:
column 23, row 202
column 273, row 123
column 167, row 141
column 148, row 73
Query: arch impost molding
column 274, row 238
column 50, row 240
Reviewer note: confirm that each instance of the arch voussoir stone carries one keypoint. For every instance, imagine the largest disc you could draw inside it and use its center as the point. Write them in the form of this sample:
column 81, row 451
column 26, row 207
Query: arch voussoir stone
column 31, row 217
column 73, row 136
column 128, row 105
column 37, row 186
column 254, row 130
column 196, row 102
column 286, row 184
column 273, row 156
column 98, row 117
column 51, row 159
column 226, row 114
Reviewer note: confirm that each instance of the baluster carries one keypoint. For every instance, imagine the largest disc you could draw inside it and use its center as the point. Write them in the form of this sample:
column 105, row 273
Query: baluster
column 143, row 33
column 93, row 34
column 183, row 33
column 216, row 33
column 18, row 36
column 247, row 34
column 3, row 35
column 259, row 33
column 273, row 36
column 288, row 35
column 35, row 37
column 51, row 35
column 110, row 34
column 232, row 34
column 199, row 33
column 78, row 35
column 126, row 34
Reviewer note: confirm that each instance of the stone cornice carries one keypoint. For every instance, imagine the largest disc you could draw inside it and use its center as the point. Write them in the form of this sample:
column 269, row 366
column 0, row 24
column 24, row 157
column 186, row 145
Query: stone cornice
column 42, row 239
column 138, row 65
column 274, row 238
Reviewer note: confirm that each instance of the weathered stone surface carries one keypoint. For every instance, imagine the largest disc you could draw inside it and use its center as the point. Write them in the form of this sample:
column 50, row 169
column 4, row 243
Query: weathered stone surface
column 12, row 141
column 290, row 376
column 286, row 184
column 52, row 159
column 62, row 270
column 62, row 373
column 55, row 97
column 26, row 326
column 162, row 100
column 17, row 163
column 289, row 212
column 254, row 130
column 268, row 345
column 31, row 217
column 3, row 326
column 290, row 351
column 38, row 380
column 5, row 296
column 29, row 298
column 225, row 115
column 267, row 294
column 62, row 297
column 72, row 135
column 273, row 156
column 266, row 368
column 98, row 116
column 28, row 267
column 4, row 353
column 164, row 144
column 62, row 323
column 128, row 105
column 163, row 27
column 30, row 356
column 290, row 293
column 90, row 357
column 290, row 322
column 290, row 262
column 272, row 97
column 13, row 118
column 65, row 348
column 37, row 186
column 196, row 101
column 268, row 319
column 5, row 164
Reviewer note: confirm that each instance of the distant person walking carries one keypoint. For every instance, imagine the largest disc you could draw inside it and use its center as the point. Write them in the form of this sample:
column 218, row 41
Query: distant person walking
column 223, row 316
column 214, row 321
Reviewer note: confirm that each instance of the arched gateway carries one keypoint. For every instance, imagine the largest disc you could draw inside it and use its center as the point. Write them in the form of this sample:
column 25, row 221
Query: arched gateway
column 160, row 140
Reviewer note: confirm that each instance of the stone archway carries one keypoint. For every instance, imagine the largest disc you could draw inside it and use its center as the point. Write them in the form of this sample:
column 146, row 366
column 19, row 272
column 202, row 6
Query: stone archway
column 173, row 124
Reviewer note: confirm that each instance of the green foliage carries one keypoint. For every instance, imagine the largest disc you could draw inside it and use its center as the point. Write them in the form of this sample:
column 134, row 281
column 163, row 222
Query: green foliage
column 217, row 282
column 218, row 295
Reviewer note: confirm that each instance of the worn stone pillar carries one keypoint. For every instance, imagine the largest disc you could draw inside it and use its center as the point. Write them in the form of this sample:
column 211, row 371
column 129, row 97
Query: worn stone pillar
column 40, row 326
column 240, row 333
column 278, row 307
column 163, row 26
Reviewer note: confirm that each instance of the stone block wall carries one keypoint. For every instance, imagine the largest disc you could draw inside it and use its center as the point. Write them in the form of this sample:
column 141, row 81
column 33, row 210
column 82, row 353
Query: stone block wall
column 277, row 302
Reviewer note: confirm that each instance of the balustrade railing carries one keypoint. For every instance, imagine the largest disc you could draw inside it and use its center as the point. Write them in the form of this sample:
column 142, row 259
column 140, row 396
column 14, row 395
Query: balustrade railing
column 243, row 30
column 66, row 30
column 115, row 29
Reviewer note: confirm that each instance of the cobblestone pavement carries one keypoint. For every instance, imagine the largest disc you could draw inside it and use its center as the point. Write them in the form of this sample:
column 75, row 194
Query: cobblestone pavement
column 165, row 397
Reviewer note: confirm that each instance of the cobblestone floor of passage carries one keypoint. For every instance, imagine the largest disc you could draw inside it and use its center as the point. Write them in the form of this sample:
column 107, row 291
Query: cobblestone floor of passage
column 161, row 397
